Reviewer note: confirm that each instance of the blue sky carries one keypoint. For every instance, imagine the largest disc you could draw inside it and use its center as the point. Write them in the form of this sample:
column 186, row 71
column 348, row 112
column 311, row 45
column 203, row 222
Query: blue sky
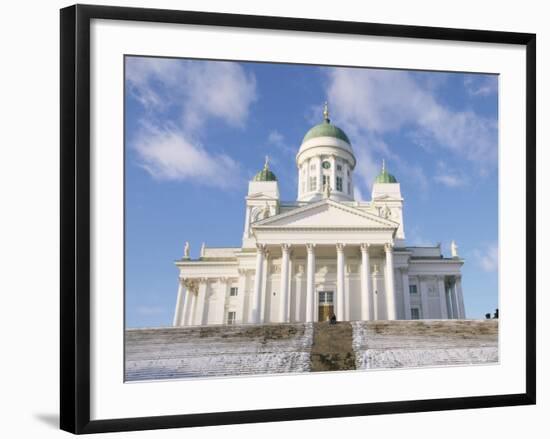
column 197, row 131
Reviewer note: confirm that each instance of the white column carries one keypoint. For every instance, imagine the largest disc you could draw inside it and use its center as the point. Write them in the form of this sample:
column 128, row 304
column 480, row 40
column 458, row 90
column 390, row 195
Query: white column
column 179, row 304
column 406, row 293
column 187, row 303
column 459, row 298
column 347, row 291
column 366, row 294
column 224, row 285
column 240, row 317
column 256, row 308
column 340, row 293
column 390, row 289
column 289, row 293
column 310, row 280
column 449, row 300
column 201, row 304
column 283, row 305
column 423, row 297
column 189, row 319
column 298, row 295
column 264, row 317
column 442, row 300
column 376, row 284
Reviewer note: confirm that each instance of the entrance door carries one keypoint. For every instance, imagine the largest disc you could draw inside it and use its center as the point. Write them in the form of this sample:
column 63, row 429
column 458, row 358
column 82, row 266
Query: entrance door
column 326, row 305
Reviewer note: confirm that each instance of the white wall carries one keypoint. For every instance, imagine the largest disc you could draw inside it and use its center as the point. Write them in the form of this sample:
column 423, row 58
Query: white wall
column 30, row 206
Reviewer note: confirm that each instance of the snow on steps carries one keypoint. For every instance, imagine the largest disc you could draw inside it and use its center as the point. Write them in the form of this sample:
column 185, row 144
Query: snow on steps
column 164, row 353
column 418, row 343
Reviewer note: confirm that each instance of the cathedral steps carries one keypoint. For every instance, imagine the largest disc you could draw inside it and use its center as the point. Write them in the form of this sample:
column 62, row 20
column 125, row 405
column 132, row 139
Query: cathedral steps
column 332, row 347
column 217, row 350
column 166, row 353
column 418, row 343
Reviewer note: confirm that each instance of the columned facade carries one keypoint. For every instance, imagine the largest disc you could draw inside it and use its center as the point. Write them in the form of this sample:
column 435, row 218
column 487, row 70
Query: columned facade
column 324, row 253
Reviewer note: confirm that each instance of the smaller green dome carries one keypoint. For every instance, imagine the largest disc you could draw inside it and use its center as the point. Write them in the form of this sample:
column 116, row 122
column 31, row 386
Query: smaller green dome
column 385, row 176
column 265, row 174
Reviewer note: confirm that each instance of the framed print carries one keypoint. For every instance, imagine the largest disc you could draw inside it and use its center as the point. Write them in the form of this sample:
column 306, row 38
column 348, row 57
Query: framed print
column 284, row 218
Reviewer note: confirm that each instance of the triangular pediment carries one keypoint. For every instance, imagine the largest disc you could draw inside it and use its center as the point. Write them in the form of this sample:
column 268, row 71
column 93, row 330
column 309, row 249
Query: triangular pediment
column 326, row 214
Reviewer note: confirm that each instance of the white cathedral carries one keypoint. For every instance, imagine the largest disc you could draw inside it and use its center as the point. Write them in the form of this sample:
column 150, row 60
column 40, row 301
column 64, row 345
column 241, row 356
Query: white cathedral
column 324, row 253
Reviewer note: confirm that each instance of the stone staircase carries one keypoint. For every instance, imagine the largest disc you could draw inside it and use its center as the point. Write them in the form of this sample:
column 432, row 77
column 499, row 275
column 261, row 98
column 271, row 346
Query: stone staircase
column 165, row 353
column 332, row 347
column 420, row 343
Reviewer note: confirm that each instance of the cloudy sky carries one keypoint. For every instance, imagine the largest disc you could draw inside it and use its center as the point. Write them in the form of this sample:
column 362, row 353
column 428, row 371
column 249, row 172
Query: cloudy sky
column 197, row 131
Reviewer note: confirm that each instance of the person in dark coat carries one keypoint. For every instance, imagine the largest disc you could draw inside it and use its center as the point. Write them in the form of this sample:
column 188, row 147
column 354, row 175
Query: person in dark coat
column 333, row 319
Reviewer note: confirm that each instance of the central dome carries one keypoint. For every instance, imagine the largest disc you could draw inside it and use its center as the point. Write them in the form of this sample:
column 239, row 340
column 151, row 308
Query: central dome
column 325, row 134
column 325, row 163
column 326, row 129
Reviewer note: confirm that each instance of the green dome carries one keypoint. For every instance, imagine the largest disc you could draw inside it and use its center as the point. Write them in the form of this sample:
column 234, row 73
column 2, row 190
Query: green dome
column 326, row 129
column 385, row 176
column 265, row 174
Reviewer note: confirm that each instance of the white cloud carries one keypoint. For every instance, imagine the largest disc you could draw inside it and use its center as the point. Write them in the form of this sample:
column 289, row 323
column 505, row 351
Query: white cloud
column 170, row 154
column 449, row 180
column 195, row 92
column 275, row 138
column 202, row 88
column 449, row 177
column 488, row 257
column 382, row 101
column 481, row 85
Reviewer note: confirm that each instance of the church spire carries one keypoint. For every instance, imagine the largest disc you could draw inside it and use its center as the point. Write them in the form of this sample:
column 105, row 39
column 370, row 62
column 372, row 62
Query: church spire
column 325, row 113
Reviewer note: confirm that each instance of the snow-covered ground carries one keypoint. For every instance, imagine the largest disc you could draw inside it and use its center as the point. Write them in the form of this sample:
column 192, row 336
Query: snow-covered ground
column 217, row 351
column 166, row 353
column 379, row 345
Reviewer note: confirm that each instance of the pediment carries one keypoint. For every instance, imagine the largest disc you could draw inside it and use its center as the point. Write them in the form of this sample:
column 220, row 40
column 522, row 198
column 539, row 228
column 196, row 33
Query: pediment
column 326, row 214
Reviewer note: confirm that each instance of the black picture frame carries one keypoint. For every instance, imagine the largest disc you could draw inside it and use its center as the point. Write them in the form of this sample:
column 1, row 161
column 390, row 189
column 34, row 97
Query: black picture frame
column 75, row 217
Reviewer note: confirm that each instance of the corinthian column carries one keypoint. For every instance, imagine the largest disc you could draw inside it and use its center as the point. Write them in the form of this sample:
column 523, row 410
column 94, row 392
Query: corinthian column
column 390, row 290
column 366, row 296
column 179, row 304
column 257, row 298
column 406, row 293
column 283, row 310
column 461, row 314
column 310, row 288
column 340, row 293
column 201, row 304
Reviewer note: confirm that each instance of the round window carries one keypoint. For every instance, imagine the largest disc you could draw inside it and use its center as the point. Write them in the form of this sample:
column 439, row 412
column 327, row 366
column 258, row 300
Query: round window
column 326, row 165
